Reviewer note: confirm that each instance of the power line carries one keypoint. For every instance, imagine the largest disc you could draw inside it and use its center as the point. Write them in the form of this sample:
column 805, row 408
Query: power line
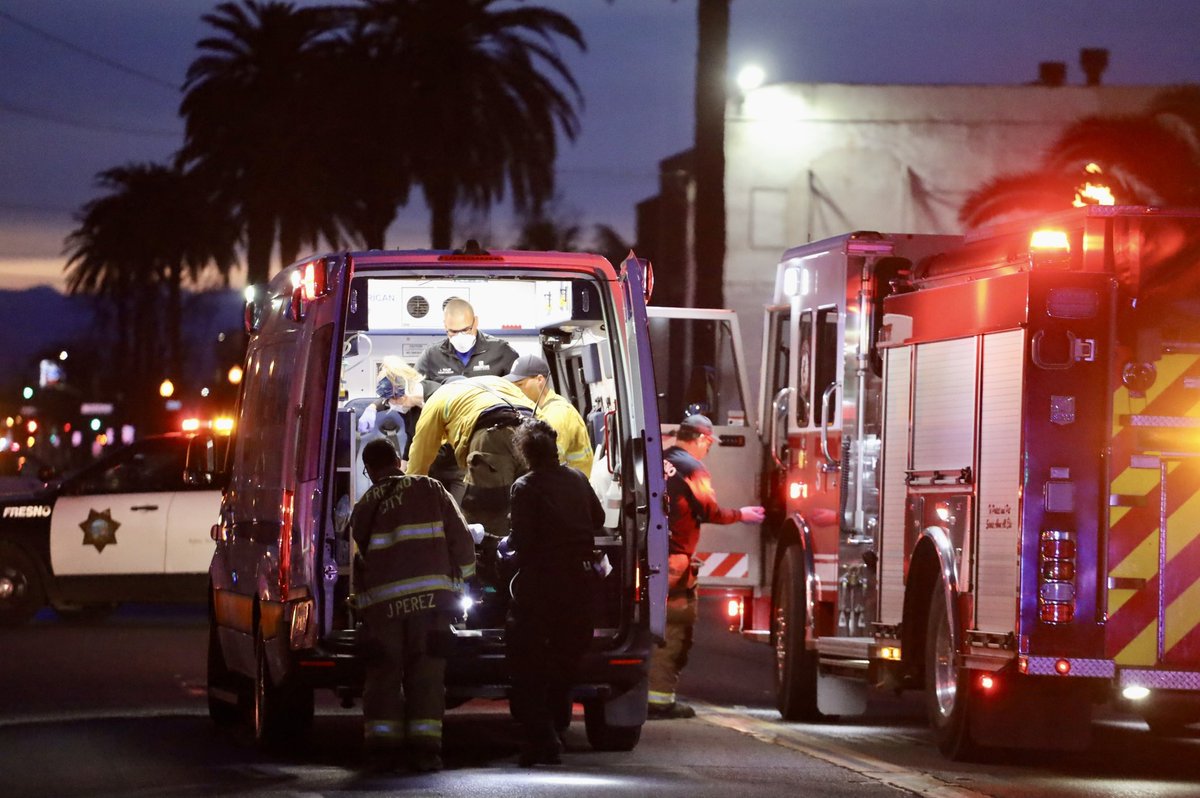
column 46, row 116
column 103, row 59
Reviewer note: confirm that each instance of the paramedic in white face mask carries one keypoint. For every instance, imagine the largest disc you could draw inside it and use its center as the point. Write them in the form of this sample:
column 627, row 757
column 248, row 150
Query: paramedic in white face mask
column 466, row 352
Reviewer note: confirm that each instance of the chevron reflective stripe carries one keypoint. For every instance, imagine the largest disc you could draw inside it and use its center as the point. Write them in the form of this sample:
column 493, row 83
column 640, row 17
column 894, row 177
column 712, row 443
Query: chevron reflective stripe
column 428, row 728
column 1141, row 562
column 381, row 540
column 404, row 587
column 383, row 730
column 734, row 565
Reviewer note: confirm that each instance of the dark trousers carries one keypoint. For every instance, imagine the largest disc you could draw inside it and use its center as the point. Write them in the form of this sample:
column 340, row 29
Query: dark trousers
column 549, row 629
column 668, row 660
column 404, row 697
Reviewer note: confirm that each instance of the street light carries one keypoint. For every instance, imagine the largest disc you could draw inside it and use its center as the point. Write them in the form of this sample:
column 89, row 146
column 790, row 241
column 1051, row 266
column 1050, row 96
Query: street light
column 750, row 78
column 235, row 374
column 166, row 389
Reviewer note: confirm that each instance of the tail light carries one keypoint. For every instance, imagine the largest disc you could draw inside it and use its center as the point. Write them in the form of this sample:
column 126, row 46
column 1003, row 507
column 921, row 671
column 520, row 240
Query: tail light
column 285, row 544
column 1056, row 591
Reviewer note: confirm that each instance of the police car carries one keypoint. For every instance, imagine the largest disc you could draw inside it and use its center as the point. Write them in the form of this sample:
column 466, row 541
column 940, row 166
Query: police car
column 133, row 526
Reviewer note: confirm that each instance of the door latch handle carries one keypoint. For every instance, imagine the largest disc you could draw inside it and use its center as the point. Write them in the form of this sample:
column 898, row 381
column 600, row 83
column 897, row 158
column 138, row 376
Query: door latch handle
column 144, row 507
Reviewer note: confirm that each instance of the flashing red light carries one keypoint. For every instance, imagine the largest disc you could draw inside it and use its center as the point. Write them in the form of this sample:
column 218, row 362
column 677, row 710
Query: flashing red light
column 313, row 281
column 1058, row 570
column 987, row 682
column 1054, row 240
column 1055, row 612
column 1058, row 549
column 1062, row 667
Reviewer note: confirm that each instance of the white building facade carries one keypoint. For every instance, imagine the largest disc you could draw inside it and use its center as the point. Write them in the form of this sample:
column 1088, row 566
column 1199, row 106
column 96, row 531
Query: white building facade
column 805, row 161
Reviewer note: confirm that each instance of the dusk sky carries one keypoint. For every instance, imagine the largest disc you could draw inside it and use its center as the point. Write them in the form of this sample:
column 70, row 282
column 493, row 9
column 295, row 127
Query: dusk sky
column 86, row 85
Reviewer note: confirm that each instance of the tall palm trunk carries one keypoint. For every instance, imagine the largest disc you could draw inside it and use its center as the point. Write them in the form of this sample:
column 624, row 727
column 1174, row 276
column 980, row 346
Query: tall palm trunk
column 174, row 321
column 712, row 57
column 260, row 238
column 289, row 243
column 440, row 198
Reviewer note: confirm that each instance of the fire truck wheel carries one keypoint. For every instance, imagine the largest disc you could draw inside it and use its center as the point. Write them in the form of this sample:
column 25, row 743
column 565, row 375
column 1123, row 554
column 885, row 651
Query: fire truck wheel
column 21, row 593
column 281, row 712
column 946, row 693
column 605, row 737
column 795, row 666
column 227, row 696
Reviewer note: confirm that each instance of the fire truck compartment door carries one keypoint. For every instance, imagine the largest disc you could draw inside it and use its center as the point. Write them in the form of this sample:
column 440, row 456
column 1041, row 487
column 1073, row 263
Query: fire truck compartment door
column 642, row 442
column 1154, row 515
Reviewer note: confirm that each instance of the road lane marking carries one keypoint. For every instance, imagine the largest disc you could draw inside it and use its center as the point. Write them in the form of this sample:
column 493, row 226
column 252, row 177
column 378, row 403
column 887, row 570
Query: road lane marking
column 775, row 733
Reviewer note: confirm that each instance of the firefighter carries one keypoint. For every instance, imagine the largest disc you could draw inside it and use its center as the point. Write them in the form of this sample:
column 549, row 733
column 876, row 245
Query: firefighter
column 466, row 352
column 532, row 375
column 555, row 517
column 691, row 502
column 476, row 418
column 414, row 553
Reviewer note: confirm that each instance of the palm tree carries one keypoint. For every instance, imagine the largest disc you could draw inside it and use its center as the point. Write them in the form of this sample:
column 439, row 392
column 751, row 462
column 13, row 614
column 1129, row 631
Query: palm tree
column 256, row 125
column 1149, row 158
column 156, row 226
column 474, row 95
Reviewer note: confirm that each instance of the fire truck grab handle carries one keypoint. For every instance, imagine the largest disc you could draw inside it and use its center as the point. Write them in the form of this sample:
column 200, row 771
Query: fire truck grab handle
column 778, row 408
column 829, row 390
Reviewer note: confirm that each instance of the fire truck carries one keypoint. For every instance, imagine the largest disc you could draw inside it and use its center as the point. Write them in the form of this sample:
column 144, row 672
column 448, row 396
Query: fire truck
column 981, row 462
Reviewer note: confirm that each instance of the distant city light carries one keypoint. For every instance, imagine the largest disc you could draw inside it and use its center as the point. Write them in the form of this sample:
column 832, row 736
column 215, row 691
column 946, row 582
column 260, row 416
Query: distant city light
column 166, row 389
column 235, row 375
column 27, row 392
column 204, row 392
column 62, row 355
column 95, row 425
column 750, row 77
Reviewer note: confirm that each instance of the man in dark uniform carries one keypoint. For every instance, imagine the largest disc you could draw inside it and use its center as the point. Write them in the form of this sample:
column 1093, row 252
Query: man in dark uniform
column 466, row 352
column 414, row 553
column 691, row 502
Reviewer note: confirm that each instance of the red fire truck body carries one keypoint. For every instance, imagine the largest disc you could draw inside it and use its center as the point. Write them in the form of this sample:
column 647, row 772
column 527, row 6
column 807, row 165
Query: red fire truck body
column 982, row 469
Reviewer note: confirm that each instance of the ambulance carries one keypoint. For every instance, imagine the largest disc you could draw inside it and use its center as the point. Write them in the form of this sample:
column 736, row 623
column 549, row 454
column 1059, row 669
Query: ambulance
column 281, row 624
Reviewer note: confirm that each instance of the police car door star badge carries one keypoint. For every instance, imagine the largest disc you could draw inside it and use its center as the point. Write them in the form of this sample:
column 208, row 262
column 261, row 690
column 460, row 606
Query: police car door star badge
column 99, row 529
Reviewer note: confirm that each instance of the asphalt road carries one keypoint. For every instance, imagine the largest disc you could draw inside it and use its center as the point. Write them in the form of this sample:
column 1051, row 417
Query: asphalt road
column 117, row 708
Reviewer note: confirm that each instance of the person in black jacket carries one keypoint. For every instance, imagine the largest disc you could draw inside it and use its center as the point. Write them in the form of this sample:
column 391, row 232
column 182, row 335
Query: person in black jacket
column 555, row 515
